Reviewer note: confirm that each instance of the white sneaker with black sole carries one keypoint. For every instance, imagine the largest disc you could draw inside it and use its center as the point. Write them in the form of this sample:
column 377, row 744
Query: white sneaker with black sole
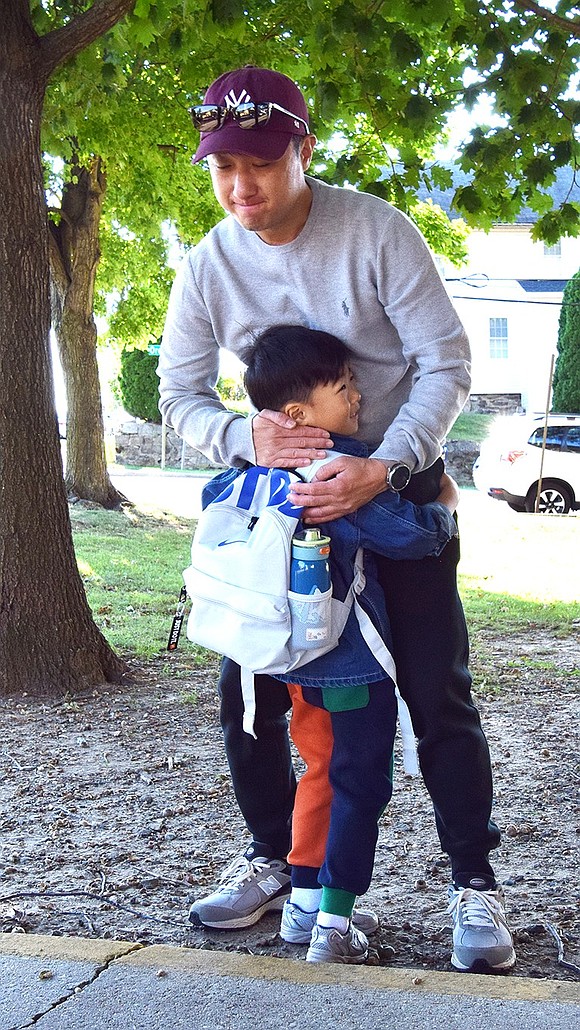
column 247, row 889
column 482, row 942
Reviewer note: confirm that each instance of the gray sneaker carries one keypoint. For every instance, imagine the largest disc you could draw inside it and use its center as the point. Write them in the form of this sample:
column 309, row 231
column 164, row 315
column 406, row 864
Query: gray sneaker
column 482, row 941
column 329, row 945
column 247, row 890
column 297, row 925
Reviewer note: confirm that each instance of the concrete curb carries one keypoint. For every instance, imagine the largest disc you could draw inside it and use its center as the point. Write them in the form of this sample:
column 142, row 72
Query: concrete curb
column 161, row 960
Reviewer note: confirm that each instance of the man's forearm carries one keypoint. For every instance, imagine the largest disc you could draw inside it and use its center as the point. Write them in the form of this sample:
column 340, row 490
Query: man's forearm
column 225, row 437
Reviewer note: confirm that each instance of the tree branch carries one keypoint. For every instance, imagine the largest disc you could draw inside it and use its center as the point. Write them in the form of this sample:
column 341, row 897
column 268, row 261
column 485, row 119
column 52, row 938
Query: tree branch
column 79, row 33
column 573, row 27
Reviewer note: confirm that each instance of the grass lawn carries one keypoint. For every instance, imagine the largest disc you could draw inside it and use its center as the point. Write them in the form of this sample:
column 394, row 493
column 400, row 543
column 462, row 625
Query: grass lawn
column 516, row 569
column 471, row 426
column 517, row 572
column 131, row 564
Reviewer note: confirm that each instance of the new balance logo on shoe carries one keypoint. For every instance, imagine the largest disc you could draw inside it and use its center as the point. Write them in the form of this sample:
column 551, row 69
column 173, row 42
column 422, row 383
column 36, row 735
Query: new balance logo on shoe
column 269, row 886
column 247, row 890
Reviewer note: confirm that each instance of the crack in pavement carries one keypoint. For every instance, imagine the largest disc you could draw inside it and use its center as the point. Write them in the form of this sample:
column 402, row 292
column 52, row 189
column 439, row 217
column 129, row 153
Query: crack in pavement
column 77, row 989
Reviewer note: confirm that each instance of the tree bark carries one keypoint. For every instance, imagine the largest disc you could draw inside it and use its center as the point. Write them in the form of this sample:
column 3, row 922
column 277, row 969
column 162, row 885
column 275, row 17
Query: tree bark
column 49, row 643
column 75, row 255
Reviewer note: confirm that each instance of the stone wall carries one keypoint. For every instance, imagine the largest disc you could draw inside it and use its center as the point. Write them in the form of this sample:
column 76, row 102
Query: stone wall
column 460, row 456
column 494, row 403
column 140, row 443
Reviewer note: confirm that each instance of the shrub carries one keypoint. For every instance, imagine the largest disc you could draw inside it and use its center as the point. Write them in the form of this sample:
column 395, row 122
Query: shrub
column 139, row 385
column 567, row 374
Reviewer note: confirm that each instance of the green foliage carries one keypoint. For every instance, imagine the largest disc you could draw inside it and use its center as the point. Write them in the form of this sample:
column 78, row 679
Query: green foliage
column 445, row 237
column 525, row 64
column 230, row 389
column 133, row 283
column 139, row 385
column 383, row 81
column 566, row 395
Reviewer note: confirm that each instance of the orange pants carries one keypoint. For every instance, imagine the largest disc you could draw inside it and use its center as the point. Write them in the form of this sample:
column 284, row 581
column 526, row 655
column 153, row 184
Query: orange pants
column 345, row 737
column 313, row 729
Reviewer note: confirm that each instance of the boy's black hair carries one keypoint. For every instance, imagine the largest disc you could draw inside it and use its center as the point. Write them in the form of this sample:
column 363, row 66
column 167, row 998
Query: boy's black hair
column 286, row 362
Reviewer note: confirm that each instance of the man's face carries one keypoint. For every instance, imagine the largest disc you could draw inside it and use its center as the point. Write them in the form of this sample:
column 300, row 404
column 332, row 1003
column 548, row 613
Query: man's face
column 331, row 406
column 270, row 198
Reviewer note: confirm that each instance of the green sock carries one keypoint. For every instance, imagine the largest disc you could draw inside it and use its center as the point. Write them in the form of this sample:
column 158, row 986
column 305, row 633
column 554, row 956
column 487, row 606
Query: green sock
column 336, row 902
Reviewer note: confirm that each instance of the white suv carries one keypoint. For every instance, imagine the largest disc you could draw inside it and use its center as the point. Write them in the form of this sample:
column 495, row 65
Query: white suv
column 510, row 463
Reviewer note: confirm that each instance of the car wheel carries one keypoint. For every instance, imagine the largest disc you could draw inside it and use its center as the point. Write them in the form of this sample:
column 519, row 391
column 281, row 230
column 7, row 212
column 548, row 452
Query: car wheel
column 555, row 499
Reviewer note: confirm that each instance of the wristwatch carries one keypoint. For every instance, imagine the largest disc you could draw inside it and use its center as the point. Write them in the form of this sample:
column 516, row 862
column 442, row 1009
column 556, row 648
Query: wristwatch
column 398, row 476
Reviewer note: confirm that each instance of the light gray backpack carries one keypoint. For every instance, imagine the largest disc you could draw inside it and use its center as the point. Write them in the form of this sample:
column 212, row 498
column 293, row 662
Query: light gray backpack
column 239, row 585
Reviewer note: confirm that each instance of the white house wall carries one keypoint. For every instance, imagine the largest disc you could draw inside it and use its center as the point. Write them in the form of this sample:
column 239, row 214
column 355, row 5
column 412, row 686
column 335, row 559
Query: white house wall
column 487, row 287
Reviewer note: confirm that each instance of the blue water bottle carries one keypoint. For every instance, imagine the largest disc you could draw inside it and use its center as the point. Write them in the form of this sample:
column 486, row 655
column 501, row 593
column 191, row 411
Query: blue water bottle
column 310, row 589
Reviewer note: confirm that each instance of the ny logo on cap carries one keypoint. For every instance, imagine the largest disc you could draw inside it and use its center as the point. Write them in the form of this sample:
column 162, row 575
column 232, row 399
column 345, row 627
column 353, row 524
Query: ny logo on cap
column 232, row 101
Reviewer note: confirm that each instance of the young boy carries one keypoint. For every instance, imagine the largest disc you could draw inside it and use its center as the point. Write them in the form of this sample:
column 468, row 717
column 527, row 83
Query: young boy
column 344, row 705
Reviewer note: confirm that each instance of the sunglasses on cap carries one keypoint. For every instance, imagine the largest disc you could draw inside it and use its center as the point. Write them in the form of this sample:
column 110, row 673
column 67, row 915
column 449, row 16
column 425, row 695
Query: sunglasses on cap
column 207, row 117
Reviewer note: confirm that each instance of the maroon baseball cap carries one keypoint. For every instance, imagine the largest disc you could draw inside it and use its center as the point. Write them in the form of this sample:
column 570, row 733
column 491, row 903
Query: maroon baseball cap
column 254, row 85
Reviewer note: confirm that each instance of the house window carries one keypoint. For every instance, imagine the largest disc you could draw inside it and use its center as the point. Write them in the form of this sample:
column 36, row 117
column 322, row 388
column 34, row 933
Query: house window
column 498, row 338
column 553, row 251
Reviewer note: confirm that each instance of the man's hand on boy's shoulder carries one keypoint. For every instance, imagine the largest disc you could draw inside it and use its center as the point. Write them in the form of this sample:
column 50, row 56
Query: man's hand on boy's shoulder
column 280, row 443
column 339, row 488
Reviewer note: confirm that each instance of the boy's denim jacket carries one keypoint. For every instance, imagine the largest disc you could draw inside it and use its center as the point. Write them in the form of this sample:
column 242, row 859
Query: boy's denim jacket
column 388, row 525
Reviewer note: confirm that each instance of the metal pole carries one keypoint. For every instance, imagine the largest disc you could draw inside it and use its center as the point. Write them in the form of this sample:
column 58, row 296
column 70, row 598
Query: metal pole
column 548, row 399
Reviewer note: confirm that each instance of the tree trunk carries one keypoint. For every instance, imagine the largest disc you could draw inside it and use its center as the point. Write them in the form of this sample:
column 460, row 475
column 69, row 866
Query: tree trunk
column 75, row 254
column 49, row 643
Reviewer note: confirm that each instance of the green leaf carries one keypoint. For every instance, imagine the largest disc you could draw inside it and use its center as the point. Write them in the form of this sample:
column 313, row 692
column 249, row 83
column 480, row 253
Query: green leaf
column 471, row 96
column 467, row 199
column 540, row 169
column 563, row 153
column 441, row 177
column 419, row 110
column 405, row 49
column 226, row 12
column 328, row 100
column 142, row 8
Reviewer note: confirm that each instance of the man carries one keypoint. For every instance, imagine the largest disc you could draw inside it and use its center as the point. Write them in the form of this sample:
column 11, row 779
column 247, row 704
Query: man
column 295, row 250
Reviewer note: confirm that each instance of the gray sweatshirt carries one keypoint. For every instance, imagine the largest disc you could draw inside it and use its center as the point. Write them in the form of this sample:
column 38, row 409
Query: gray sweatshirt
column 359, row 269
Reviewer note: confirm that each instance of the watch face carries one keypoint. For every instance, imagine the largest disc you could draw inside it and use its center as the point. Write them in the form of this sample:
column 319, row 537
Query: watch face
column 399, row 476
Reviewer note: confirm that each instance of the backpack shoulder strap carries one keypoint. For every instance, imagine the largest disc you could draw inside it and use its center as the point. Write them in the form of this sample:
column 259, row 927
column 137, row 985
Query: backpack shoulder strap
column 249, row 699
column 384, row 657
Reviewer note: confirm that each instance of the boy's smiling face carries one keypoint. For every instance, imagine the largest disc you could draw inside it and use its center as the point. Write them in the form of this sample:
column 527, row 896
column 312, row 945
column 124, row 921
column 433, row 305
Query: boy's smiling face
column 331, row 406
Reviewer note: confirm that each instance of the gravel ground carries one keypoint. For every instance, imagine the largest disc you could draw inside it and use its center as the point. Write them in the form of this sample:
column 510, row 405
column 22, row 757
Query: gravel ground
column 116, row 811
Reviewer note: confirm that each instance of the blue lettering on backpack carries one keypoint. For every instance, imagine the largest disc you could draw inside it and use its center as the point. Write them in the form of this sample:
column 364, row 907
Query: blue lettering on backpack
column 278, row 497
column 250, row 485
column 279, row 486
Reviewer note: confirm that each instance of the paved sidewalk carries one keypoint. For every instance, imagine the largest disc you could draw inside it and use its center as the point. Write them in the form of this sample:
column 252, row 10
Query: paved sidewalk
column 65, row 983
column 169, row 489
